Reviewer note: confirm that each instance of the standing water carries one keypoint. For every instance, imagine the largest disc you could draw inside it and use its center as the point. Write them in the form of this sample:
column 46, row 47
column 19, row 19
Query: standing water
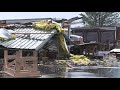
column 88, row 73
column 112, row 71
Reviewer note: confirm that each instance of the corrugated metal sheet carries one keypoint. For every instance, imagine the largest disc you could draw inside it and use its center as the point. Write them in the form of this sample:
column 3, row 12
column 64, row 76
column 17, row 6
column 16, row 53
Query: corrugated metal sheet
column 25, row 20
column 34, row 41
column 42, row 36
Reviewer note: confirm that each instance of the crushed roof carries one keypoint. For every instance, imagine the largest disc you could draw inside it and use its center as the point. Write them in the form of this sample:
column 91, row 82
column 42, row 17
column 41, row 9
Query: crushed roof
column 28, row 38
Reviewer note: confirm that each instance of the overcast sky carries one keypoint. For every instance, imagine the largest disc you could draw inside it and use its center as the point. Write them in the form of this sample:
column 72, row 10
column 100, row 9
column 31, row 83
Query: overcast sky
column 26, row 15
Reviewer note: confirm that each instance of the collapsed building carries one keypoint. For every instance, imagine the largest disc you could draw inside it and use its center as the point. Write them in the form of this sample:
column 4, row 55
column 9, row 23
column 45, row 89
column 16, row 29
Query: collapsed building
column 29, row 47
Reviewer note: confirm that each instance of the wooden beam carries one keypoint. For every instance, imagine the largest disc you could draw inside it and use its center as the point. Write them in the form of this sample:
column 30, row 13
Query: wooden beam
column 86, row 35
column 17, row 63
column 35, row 61
column 34, row 53
column 6, row 57
column 11, row 57
column 20, row 52
column 21, row 68
column 11, row 63
column 100, row 36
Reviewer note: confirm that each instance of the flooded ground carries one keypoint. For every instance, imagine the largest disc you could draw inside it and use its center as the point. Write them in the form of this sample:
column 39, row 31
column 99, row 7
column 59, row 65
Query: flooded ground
column 113, row 72
column 105, row 72
column 80, row 72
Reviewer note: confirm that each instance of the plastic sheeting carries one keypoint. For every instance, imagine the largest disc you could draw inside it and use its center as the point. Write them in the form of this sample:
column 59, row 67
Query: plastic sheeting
column 6, row 34
column 115, row 50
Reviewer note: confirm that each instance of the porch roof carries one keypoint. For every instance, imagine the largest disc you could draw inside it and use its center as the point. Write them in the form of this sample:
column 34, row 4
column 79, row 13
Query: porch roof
column 28, row 38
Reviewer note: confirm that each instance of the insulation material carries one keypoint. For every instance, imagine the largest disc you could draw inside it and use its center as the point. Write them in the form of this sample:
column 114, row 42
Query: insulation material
column 48, row 26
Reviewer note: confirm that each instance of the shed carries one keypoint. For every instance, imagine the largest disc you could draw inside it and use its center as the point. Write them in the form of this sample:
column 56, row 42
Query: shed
column 22, row 54
column 98, row 34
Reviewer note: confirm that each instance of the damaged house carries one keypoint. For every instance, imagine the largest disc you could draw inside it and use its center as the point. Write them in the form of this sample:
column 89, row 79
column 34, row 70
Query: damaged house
column 30, row 47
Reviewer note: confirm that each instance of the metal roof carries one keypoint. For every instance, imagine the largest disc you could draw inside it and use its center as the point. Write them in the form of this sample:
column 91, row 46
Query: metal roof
column 24, row 20
column 92, row 28
column 32, row 33
column 36, row 39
